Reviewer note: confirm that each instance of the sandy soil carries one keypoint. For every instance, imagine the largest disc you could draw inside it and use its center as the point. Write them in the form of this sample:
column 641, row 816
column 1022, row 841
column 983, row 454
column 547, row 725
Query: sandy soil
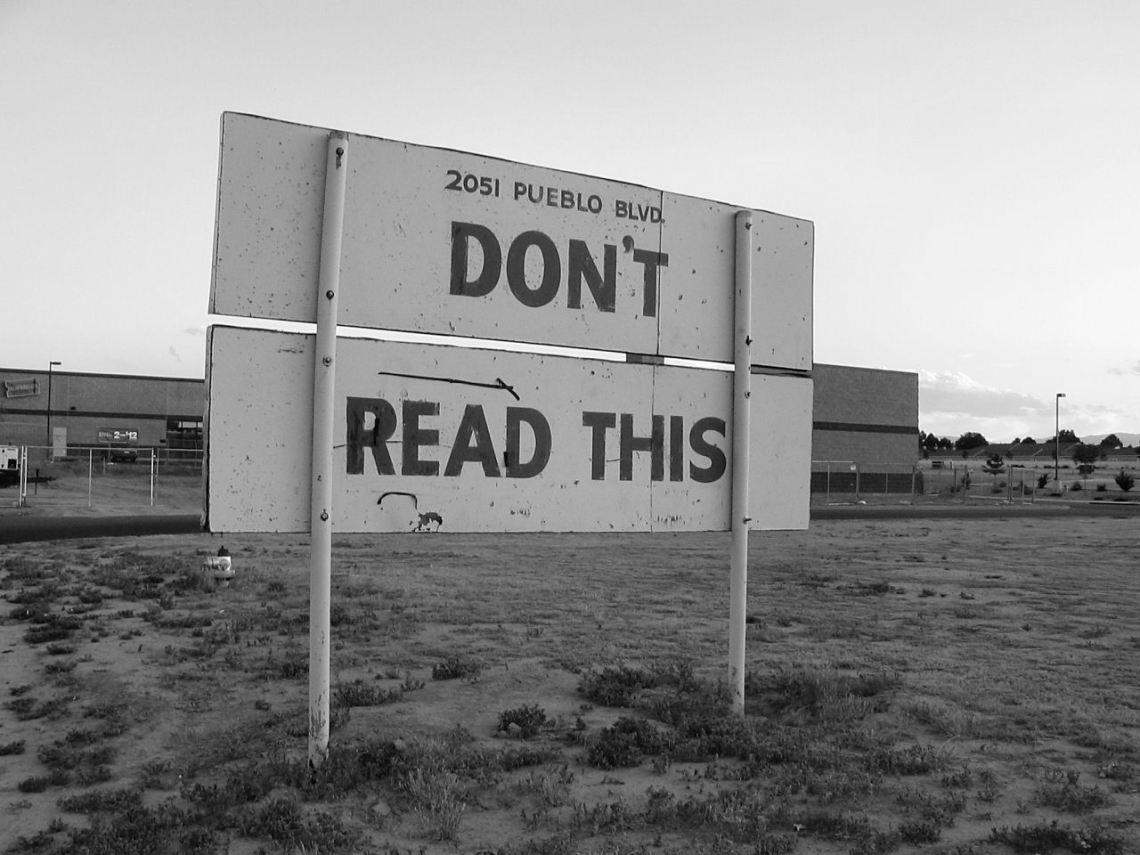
column 1002, row 651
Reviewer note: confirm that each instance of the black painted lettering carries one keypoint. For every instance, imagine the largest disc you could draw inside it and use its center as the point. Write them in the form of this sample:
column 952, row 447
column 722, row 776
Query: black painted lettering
column 714, row 454
column 358, row 437
column 676, row 448
column 652, row 261
column 540, row 431
column 603, row 286
column 416, row 437
column 488, row 278
column 629, row 443
column 472, row 445
column 516, row 269
column 598, row 423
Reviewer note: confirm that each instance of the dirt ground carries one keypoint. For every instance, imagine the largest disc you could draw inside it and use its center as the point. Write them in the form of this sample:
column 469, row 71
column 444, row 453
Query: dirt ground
column 914, row 686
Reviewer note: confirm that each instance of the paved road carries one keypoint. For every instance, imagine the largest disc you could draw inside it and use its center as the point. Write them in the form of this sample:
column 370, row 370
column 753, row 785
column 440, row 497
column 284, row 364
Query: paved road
column 21, row 529
column 15, row 529
column 1039, row 509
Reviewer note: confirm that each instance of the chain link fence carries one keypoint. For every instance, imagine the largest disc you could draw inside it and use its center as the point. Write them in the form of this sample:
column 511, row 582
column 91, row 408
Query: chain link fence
column 840, row 481
column 848, row 480
column 101, row 479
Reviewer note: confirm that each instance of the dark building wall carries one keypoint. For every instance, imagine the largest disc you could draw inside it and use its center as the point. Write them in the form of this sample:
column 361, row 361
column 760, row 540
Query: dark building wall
column 86, row 403
column 864, row 415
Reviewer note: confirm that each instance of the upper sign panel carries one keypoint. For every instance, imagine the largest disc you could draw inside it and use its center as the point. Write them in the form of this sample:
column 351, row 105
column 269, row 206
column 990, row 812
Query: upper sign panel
column 439, row 241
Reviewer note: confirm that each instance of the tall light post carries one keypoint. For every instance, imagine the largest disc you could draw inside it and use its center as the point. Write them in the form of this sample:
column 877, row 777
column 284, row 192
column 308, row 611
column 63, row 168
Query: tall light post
column 1057, row 442
column 52, row 364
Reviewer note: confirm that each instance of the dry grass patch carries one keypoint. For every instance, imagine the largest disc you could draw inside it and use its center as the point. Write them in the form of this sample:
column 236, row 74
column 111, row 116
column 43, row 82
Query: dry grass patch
column 951, row 688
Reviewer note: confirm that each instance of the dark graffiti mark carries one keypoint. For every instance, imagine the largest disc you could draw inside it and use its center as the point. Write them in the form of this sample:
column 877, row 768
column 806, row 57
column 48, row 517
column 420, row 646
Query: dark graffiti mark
column 498, row 384
column 426, row 520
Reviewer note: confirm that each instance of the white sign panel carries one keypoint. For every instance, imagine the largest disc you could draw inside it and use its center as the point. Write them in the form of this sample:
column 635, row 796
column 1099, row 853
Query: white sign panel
column 431, row 437
column 440, row 241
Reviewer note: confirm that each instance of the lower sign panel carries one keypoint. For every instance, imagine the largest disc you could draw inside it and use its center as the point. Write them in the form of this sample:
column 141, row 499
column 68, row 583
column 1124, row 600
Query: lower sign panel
column 456, row 439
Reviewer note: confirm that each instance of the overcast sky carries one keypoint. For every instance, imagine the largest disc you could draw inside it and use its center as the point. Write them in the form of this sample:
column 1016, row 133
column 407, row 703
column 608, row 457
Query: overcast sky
column 971, row 168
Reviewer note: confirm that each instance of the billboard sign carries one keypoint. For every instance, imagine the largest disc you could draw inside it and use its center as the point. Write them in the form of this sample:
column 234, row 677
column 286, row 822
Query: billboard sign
column 447, row 242
column 311, row 433
column 428, row 437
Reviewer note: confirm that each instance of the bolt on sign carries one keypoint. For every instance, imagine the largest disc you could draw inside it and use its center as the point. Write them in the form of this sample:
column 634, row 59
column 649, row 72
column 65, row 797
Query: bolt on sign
column 444, row 242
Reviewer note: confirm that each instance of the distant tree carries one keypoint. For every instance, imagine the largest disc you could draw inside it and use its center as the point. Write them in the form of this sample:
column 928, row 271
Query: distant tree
column 970, row 440
column 1111, row 441
column 1028, row 441
column 1016, row 441
column 1087, row 454
column 1068, row 436
column 946, row 444
column 929, row 442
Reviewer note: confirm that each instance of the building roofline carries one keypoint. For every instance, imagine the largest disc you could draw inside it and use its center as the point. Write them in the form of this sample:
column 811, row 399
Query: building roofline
column 58, row 373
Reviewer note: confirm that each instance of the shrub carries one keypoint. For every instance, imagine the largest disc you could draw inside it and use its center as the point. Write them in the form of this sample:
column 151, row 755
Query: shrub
column 528, row 719
column 359, row 694
column 457, row 668
column 1125, row 481
column 624, row 743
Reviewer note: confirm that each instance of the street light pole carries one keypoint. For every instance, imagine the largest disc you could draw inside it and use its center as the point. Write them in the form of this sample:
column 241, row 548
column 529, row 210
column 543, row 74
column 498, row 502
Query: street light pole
column 51, row 365
column 1057, row 442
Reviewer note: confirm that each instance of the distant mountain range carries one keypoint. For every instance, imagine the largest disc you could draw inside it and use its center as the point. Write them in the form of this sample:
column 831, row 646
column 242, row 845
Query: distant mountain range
column 1126, row 438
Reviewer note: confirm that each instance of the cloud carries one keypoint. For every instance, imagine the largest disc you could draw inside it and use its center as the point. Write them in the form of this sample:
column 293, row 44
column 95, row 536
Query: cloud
column 1127, row 370
column 174, row 353
column 195, row 331
column 951, row 403
column 954, row 393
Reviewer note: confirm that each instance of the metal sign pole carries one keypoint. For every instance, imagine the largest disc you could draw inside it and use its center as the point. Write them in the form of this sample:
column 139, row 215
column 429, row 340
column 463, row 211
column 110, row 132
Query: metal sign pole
column 23, row 490
column 324, row 373
column 741, row 419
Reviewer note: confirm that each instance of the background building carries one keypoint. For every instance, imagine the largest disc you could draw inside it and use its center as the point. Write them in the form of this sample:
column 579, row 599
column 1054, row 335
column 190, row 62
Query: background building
column 69, row 409
column 863, row 417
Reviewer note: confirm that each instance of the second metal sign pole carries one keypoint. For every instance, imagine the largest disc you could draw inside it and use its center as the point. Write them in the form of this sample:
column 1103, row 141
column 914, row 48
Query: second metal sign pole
column 741, row 431
column 324, row 376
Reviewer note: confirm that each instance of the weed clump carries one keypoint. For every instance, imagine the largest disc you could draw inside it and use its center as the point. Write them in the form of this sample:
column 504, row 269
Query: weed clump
column 15, row 747
column 912, row 760
column 1041, row 837
column 623, row 686
column 525, row 721
column 457, row 668
column 283, row 821
column 360, row 694
column 1063, row 791
column 625, row 743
